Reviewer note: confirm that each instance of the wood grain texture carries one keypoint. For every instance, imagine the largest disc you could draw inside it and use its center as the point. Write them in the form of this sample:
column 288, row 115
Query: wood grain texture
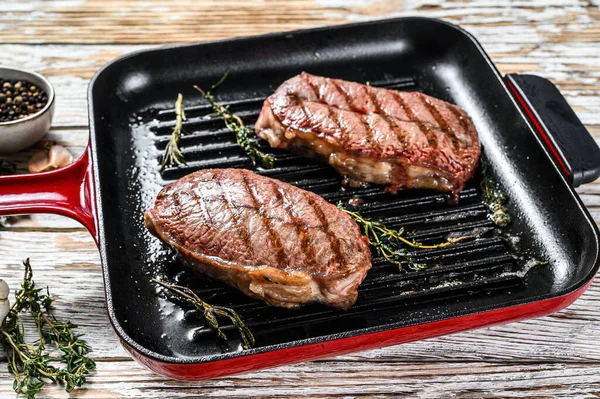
column 352, row 379
column 177, row 21
column 69, row 40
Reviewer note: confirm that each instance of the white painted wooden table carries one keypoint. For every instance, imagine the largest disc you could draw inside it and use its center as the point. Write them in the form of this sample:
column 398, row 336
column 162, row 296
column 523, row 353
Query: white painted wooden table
column 556, row 356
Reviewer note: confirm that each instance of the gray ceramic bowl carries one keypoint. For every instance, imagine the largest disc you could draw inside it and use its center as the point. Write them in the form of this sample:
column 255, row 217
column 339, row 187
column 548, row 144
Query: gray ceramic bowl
column 22, row 133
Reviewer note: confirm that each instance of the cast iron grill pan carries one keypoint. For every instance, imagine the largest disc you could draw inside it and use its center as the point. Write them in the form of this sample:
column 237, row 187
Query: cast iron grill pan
column 131, row 104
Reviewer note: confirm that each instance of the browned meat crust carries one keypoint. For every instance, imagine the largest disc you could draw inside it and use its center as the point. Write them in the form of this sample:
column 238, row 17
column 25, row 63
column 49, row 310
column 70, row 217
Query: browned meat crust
column 373, row 135
column 271, row 240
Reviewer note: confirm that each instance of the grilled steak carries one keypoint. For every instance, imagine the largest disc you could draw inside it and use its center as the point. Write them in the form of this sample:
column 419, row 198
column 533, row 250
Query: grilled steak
column 373, row 135
column 271, row 240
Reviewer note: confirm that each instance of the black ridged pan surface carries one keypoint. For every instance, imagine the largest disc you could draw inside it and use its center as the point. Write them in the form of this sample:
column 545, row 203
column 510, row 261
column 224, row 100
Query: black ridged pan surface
column 131, row 103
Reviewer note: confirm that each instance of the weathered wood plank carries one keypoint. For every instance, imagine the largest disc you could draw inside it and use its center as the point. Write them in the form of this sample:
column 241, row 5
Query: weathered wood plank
column 69, row 263
column 349, row 379
column 94, row 21
column 159, row 21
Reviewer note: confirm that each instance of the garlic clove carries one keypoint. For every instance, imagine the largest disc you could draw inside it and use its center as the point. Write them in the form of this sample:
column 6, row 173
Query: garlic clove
column 4, row 290
column 56, row 157
column 38, row 162
column 4, row 309
column 4, row 302
column 59, row 156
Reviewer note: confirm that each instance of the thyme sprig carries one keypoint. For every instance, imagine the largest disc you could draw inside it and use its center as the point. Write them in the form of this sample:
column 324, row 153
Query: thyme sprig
column 244, row 135
column 220, row 81
column 391, row 243
column 173, row 155
column 32, row 365
column 494, row 198
column 211, row 313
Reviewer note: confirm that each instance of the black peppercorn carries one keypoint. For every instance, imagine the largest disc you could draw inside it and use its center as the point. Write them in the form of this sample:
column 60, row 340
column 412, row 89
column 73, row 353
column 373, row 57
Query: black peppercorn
column 19, row 99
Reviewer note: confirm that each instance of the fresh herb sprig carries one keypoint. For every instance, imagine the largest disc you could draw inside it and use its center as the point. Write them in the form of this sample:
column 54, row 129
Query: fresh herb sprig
column 173, row 155
column 244, row 135
column 391, row 243
column 32, row 365
column 494, row 198
column 211, row 313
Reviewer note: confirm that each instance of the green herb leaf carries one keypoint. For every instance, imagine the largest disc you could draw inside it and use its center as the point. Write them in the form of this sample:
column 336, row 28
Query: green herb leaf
column 31, row 365
column 244, row 135
column 173, row 155
column 390, row 243
column 494, row 198
column 220, row 82
column 211, row 313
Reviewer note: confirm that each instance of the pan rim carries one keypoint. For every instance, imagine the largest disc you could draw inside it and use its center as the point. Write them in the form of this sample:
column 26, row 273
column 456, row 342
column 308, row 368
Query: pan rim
column 387, row 327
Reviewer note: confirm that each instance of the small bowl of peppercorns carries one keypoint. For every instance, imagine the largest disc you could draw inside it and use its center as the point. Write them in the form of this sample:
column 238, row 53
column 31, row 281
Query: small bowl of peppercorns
column 26, row 108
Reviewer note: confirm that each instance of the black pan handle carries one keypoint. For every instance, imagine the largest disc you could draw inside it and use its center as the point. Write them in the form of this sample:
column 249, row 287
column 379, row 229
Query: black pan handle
column 568, row 140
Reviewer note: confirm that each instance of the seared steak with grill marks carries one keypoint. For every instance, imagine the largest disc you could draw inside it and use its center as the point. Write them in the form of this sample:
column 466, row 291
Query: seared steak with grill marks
column 373, row 135
column 271, row 240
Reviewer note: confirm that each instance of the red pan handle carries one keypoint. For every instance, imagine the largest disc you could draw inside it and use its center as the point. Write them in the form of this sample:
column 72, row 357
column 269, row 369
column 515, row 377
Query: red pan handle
column 68, row 191
column 569, row 142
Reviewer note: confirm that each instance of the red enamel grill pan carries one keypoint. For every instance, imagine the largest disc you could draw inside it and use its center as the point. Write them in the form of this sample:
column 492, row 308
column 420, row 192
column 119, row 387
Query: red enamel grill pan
column 536, row 148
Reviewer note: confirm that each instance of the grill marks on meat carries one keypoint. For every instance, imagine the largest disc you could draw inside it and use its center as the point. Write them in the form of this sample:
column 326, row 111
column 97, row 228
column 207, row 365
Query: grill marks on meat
column 382, row 136
column 271, row 240
column 267, row 224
